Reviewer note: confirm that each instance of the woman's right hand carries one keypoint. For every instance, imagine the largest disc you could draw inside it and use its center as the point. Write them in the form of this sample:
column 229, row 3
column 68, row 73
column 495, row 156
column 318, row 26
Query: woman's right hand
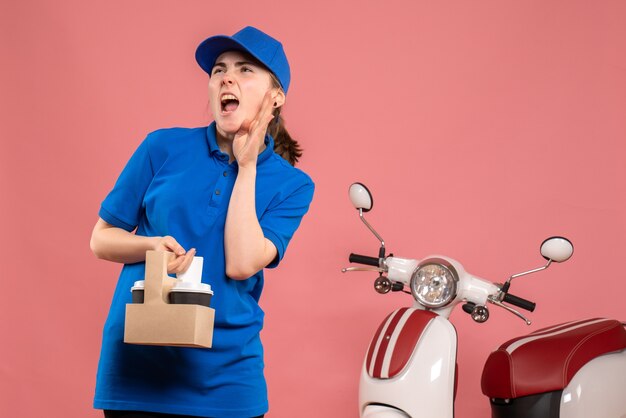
column 115, row 244
column 182, row 259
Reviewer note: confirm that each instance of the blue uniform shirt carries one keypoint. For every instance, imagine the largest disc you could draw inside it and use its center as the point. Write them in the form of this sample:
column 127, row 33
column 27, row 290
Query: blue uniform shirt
column 179, row 183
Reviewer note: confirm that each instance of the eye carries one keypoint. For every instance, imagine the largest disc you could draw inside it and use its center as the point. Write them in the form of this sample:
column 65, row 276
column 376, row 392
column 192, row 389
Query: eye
column 216, row 70
column 245, row 69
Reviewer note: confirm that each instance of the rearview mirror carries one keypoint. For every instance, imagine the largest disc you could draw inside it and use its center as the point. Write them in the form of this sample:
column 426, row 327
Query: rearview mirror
column 361, row 197
column 557, row 249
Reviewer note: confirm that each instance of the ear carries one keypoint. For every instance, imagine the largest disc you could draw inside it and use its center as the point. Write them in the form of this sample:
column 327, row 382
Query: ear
column 279, row 100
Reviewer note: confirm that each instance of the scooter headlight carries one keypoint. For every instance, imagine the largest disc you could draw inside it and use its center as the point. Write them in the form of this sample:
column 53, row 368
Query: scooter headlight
column 434, row 283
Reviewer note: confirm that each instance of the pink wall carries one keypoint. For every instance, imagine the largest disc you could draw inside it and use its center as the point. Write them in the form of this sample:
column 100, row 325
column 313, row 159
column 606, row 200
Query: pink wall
column 481, row 127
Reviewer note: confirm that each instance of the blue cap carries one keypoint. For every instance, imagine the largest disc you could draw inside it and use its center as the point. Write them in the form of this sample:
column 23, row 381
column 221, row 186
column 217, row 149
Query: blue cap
column 251, row 40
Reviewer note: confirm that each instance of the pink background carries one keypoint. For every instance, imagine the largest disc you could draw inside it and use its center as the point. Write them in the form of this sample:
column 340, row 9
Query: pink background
column 481, row 127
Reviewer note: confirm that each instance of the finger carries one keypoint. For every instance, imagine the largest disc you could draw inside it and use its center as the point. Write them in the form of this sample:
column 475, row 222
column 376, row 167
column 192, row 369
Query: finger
column 171, row 244
column 261, row 128
column 188, row 259
column 264, row 109
column 267, row 120
column 253, row 125
column 174, row 265
column 266, row 106
column 244, row 131
column 245, row 126
column 258, row 127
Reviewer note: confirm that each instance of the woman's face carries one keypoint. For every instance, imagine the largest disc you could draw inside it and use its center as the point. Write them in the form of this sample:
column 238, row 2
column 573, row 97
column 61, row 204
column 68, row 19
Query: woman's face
column 237, row 86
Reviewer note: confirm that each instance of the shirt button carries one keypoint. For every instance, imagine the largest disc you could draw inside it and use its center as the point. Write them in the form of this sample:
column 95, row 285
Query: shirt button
column 225, row 173
column 217, row 192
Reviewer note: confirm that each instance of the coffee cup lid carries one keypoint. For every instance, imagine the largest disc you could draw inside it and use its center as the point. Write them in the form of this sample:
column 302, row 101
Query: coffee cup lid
column 138, row 285
column 192, row 287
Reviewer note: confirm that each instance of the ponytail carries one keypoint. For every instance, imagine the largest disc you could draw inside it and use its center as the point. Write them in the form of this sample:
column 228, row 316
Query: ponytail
column 284, row 144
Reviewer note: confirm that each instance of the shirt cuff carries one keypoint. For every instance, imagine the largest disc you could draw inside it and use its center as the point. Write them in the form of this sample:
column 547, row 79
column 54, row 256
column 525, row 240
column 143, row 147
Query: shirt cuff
column 114, row 220
column 277, row 243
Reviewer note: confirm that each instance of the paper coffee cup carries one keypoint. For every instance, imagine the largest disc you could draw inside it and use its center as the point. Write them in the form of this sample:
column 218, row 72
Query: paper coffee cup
column 191, row 293
column 138, row 291
column 194, row 272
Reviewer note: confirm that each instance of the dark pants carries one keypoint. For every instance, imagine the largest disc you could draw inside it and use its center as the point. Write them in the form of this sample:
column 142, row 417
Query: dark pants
column 139, row 414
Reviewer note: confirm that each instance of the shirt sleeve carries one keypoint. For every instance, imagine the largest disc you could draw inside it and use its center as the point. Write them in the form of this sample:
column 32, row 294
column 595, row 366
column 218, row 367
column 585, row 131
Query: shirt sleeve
column 280, row 222
column 123, row 205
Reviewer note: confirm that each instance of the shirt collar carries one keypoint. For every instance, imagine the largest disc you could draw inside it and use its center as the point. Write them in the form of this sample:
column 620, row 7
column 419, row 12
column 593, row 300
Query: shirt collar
column 215, row 151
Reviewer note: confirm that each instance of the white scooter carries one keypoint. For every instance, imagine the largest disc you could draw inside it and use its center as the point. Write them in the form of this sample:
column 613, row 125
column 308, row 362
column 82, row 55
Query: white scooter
column 572, row 370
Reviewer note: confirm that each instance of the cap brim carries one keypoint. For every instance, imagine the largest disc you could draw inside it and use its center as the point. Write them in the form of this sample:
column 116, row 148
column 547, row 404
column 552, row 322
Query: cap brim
column 211, row 48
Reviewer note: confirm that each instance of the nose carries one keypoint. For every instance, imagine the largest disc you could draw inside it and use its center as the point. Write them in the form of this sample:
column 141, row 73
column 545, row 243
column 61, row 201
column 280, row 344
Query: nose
column 227, row 79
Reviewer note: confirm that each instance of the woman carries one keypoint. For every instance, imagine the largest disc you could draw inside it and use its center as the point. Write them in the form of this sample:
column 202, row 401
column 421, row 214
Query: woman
column 221, row 192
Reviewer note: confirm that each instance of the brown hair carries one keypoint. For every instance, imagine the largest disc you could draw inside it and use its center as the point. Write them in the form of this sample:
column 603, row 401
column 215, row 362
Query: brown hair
column 284, row 144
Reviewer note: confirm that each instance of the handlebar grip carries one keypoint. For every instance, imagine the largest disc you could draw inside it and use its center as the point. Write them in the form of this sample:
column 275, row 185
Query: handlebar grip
column 363, row 259
column 522, row 303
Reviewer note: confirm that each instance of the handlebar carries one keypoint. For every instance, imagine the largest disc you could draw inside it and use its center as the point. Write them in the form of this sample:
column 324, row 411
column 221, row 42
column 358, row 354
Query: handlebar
column 520, row 302
column 364, row 259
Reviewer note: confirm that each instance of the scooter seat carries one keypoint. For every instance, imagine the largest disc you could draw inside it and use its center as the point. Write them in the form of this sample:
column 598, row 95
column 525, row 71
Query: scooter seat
column 547, row 359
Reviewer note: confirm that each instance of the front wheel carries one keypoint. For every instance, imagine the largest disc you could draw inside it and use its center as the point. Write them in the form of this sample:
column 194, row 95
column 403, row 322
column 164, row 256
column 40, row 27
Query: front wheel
column 381, row 411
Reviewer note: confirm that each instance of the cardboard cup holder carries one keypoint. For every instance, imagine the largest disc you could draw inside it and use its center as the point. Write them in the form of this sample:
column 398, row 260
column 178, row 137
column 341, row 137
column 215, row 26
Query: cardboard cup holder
column 168, row 311
column 182, row 292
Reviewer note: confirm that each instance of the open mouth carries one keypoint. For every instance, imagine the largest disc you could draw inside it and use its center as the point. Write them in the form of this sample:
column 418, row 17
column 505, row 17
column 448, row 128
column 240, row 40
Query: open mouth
column 229, row 102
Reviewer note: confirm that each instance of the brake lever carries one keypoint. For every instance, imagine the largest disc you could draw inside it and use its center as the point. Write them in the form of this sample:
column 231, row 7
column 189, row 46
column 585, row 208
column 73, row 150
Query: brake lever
column 493, row 300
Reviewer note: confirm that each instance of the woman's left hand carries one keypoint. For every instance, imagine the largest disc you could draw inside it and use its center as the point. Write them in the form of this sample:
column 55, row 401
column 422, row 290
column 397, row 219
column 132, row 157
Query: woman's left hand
column 250, row 137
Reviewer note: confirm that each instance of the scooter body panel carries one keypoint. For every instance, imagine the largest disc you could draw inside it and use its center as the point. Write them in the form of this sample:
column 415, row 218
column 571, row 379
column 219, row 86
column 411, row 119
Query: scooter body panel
column 597, row 390
column 425, row 386
column 378, row 411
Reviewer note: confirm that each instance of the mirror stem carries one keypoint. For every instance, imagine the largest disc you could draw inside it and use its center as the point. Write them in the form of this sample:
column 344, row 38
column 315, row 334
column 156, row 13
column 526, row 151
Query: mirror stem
column 382, row 242
column 505, row 287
